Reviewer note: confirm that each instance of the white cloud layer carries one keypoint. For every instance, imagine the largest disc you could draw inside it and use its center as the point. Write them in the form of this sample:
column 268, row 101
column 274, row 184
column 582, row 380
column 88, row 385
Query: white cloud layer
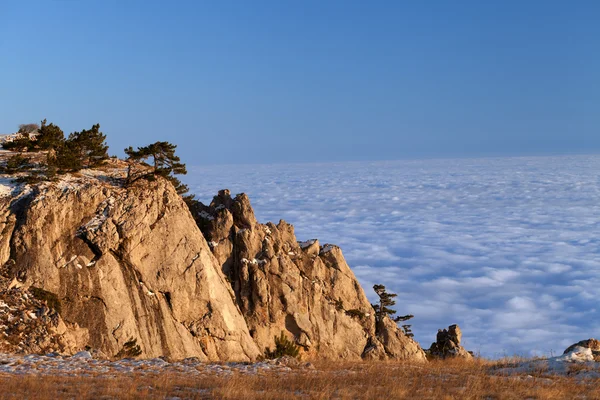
column 508, row 248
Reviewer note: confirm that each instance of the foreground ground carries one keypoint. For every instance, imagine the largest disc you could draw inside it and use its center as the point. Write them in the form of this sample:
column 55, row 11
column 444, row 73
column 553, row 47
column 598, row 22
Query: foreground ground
column 35, row 377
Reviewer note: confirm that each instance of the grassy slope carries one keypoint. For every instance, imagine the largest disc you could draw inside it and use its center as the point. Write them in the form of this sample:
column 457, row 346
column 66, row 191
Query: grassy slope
column 436, row 380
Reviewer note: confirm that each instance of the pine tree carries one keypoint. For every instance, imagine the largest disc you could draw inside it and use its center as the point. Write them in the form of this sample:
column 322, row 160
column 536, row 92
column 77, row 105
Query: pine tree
column 164, row 160
column 91, row 145
column 382, row 310
column 67, row 157
column 161, row 157
column 16, row 163
column 283, row 347
column 49, row 136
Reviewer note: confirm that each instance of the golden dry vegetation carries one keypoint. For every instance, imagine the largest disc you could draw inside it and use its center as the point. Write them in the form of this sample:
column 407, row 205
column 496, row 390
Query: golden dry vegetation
column 377, row 380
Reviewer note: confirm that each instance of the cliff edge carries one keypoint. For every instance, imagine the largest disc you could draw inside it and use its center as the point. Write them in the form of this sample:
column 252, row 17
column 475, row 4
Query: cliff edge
column 133, row 262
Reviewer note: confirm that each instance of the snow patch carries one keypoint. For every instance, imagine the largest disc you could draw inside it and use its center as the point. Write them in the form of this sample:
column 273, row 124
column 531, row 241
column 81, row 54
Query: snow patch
column 95, row 223
column 308, row 243
column 253, row 261
column 7, row 187
column 561, row 365
column 205, row 215
column 327, row 248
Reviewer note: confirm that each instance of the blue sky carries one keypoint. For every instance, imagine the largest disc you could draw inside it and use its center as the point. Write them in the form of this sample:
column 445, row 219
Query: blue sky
column 281, row 81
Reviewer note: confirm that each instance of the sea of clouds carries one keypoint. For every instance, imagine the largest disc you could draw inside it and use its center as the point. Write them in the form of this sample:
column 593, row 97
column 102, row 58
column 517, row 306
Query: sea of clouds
column 508, row 248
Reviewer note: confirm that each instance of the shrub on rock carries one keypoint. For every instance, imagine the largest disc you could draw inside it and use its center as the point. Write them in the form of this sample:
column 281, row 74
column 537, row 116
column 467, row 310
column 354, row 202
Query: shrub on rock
column 283, row 347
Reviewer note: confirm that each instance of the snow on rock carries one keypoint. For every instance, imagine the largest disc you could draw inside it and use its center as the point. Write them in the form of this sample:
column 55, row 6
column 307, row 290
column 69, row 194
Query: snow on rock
column 84, row 364
column 579, row 362
column 7, row 186
column 578, row 354
column 253, row 261
column 327, row 248
column 9, row 137
column 205, row 215
column 308, row 243
column 83, row 355
column 95, row 223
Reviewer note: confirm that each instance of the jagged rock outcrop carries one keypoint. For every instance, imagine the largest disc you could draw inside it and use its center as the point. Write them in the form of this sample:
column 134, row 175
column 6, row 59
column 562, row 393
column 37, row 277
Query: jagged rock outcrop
column 125, row 263
column 447, row 344
column 592, row 344
column 301, row 288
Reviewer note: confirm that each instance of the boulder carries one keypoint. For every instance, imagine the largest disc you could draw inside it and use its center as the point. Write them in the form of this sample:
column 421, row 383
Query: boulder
column 396, row 344
column 447, row 345
column 592, row 344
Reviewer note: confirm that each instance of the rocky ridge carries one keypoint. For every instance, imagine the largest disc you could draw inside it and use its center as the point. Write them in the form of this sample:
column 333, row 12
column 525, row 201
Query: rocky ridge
column 303, row 288
column 131, row 262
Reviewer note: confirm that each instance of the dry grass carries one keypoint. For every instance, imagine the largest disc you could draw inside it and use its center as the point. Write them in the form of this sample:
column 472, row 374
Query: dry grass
column 437, row 380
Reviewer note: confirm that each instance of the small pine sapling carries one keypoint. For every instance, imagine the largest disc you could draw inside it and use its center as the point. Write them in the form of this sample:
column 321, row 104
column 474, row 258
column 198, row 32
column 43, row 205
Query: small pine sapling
column 283, row 347
column 407, row 330
column 130, row 349
column 382, row 309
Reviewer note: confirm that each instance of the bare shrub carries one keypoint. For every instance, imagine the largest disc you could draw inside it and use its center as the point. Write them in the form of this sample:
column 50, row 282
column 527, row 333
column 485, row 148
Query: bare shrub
column 28, row 128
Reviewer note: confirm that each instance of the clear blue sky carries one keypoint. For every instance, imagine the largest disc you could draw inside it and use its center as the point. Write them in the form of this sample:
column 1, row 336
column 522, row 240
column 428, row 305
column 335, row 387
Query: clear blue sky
column 276, row 81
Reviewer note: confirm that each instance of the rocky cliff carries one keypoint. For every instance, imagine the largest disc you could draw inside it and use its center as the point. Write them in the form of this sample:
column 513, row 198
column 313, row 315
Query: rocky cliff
column 132, row 263
column 301, row 288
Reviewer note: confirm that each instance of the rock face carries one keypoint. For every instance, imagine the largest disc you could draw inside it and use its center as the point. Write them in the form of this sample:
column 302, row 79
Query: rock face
column 131, row 263
column 125, row 263
column 447, row 344
column 301, row 288
column 592, row 344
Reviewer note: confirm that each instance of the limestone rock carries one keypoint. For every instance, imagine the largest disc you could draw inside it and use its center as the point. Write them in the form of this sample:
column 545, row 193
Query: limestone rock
column 114, row 263
column 374, row 351
column 125, row 263
column 302, row 288
column 447, row 344
column 397, row 345
column 592, row 344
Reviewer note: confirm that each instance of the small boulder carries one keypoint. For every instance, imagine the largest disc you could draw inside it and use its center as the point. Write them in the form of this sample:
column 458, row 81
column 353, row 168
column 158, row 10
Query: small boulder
column 576, row 354
column 84, row 355
column 447, row 345
column 286, row 361
column 592, row 344
column 310, row 247
column 374, row 351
